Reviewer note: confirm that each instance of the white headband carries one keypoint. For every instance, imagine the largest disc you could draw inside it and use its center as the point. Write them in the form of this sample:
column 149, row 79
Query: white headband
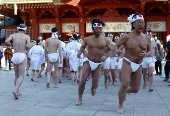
column 54, row 35
column 131, row 20
column 97, row 25
column 116, row 37
column 121, row 34
column 109, row 35
column 149, row 33
column 22, row 28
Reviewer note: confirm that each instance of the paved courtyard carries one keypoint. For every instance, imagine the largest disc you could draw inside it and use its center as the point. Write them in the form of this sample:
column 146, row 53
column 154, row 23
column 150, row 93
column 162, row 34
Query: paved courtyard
column 37, row 100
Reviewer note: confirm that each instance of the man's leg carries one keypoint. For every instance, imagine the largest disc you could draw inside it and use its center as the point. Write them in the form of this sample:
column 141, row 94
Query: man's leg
column 160, row 68
column 113, row 73
column 28, row 66
column 106, row 77
column 156, row 67
column 55, row 77
column 166, row 71
column 145, row 71
column 42, row 68
column 49, row 70
column 125, row 81
column 21, row 70
column 95, row 79
column 60, row 69
column 85, row 74
column 150, row 77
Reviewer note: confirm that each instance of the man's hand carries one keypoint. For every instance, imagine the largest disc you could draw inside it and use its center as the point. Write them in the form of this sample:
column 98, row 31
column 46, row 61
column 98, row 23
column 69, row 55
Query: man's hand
column 78, row 54
column 143, row 54
column 103, row 59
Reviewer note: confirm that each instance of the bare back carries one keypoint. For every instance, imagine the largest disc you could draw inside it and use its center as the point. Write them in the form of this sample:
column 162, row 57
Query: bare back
column 96, row 47
column 134, row 45
column 42, row 44
column 21, row 42
column 52, row 45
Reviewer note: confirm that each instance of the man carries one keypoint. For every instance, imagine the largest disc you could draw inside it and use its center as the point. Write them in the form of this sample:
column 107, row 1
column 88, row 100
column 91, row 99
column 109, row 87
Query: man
column 21, row 42
column 42, row 44
column 72, row 49
column 8, row 55
column 96, row 45
column 36, row 54
column 33, row 42
column 1, row 56
column 149, row 63
column 166, row 67
column 52, row 46
column 137, row 46
column 106, row 64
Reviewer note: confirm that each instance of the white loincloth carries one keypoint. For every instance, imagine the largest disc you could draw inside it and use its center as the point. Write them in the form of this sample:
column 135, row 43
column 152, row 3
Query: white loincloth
column 134, row 66
column 113, row 62
column 53, row 57
column 93, row 65
column 148, row 62
column 120, row 63
column 18, row 58
column 106, row 64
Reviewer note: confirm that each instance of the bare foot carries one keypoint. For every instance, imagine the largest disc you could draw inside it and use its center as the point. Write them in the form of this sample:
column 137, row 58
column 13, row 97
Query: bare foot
column 79, row 102
column 48, row 85
column 55, row 86
column 15, row 95
column 93, row 92
column 19, row 94
column 150, row 90
column 120, row 110
column 106, row 85
column 144, row 85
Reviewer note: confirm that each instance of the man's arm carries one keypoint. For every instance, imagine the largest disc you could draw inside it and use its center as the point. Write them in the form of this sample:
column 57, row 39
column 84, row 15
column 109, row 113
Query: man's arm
column 110, row 49
column 28, row 45
column 45, row 49
column 7, row 41
column 59, row 49
column 148, row 47
column 83, row 46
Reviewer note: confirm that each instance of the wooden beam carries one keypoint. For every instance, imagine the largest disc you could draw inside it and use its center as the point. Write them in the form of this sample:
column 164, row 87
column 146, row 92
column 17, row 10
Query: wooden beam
column 114, row 5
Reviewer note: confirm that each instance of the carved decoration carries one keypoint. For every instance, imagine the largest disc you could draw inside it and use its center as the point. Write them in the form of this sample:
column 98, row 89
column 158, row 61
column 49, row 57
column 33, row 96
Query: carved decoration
column 156, row 26
column 111, row 13
column 46, row 27
column 112, row 27
column 70, row 27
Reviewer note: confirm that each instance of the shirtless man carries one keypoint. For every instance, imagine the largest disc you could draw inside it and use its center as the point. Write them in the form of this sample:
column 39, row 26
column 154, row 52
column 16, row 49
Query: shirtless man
column 42, row 44
column 52, row 45
column 21, row 42
column 116, row 62
column 137, row 46
column 149, row 63
column 106, row 64
column 96, row 45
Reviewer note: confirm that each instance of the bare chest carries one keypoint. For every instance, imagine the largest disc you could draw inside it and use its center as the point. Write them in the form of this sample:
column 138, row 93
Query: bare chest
column 137, row 43
column 98, row 44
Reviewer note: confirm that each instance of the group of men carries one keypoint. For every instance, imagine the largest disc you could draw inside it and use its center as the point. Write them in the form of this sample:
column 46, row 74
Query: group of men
column 128, row 52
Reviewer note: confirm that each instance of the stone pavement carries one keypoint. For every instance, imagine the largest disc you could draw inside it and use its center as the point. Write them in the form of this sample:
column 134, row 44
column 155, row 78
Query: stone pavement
column 37, row 100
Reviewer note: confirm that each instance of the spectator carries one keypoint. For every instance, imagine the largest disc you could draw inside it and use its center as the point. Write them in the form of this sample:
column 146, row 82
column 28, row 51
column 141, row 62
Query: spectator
column 159, row 58
column 8, row 55
column 166, row 68
column 1, row 56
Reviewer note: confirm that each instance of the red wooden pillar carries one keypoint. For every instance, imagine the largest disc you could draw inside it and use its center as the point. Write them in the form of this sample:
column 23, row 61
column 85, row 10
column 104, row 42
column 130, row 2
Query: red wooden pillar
column 58, row 25
column 81, row 27
column 35, row 29
column 168, row 21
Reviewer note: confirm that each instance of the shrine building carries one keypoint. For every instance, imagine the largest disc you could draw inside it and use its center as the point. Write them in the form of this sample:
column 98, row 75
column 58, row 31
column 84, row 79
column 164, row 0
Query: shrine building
column 76, row 16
